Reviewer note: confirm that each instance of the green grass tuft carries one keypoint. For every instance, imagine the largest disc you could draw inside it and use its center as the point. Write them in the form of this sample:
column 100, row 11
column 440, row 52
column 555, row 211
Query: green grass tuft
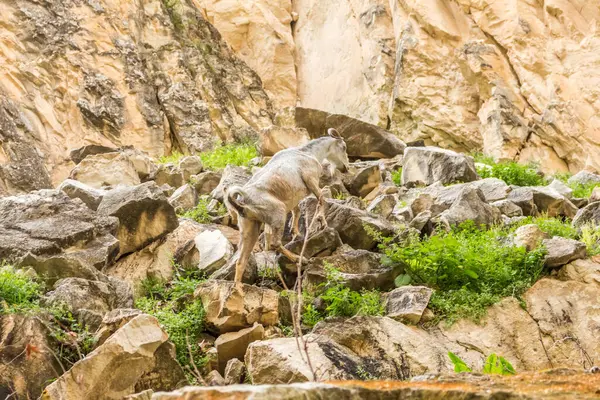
column 238, row 154
column 201, row 214
column 397, row 177
column 18, row 292
column 510, row 172
column 172, row 158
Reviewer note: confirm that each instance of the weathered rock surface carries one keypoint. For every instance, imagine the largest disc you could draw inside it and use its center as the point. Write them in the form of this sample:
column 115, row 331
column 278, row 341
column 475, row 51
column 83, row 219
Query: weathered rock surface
column 556, row 384
column 584, row 271
column 427, row 165
column 529, row 236
column 470, row 205
column 588, row 214
column 144, row 215
column 214, row 250
column 25, row 364
column 184, row 198
column 277, row 138
column 229, row 309
column 205, row 182
column 112, row 370
column 363, row 181
column 57, row 235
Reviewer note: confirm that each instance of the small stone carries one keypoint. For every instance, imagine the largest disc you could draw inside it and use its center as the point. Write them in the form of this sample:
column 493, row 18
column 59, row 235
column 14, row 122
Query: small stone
column 529, row 236
column 214, row 250
column 408, row 303
column 234, row 371
column 233, row 345
column 190, row 165
column 561, row 251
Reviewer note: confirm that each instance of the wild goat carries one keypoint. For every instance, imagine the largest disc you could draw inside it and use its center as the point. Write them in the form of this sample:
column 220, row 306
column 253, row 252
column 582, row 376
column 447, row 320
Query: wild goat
column 277, row 189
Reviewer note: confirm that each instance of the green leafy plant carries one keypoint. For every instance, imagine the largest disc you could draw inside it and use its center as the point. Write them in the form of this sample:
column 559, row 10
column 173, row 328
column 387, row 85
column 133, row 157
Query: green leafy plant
column 180, row 315
column 580, row 190
column 552, row 226
column 590, row 235
column 341, row 301
column 494, row 364
column 459, row 364
column 73, row 340
column 201, row 213
column 469, row 268
column 234, row 153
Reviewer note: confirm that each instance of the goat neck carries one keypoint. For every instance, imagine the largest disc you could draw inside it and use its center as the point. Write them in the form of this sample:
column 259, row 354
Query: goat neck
column 318, row 148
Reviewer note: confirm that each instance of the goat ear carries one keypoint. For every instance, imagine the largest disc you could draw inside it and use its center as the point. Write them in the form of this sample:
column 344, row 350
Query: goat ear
column 333, row 133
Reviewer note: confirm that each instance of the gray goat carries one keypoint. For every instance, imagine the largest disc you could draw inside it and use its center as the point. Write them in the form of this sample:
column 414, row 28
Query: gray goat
column 274, row 191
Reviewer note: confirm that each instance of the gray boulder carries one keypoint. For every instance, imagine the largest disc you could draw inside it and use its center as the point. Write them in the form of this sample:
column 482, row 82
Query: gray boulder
column 407, row 303
column 542, row 199
column 89, row 195
column 588, row 214
column 190, row 165
column 508, row 208
column 205, row 182
column 169, row 174
column 56, row 235
column 383, row 205
column 184, row 198
column 144, row 215
column 584, row 177
column 423, row 166
column 529, row 236
column 470, row 206
column 363, row 181
column 561, row 251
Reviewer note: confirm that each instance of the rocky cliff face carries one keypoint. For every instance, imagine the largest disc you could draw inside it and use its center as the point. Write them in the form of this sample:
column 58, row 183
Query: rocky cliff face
column 518, row 79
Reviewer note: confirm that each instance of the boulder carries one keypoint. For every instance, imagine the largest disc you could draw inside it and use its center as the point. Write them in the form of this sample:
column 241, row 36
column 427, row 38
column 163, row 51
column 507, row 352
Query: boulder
column 235, row 370
column 363, row 181
column 108, row 169
column 214, row 378
column 588, row 214
column 227, row 272
column 542, row 199
column 493, row 189
column 470, row 205
column 358, row 269
column 363, row 139
column 529, row 236
column 383, row 205
column 561, row 188
column 508, row 208
column 56, row 235
column 189, row 166
column 157, row 260
column 276, row 138
column 205, row 182
column 142, row 163
column 144, row 215
column 168, row 174
column 233, row 345
column 89, row 300
column 584, row 177
column 89, row 195
column 407, row 303
column 583, row 270
column 113, row 321
column 423, row 166
column 167, row 374
column 25, row 364
column 214, row 250
column 561, row 251
column 419, row 222
column 352, row 224
column 112, row 369
column 78, row 154
column 320, row 244
column 278, row 360
column 230, row 308
column 184, row 198
column 232, row 175
column 595, row 196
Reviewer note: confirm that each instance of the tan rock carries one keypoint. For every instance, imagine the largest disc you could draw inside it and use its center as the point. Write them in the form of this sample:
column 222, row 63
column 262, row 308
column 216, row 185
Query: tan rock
column 529, row 236
column 276, row 138
column 109, row 169
column 584, row 271
column 228, row 309
column 233, row 345
column 112, row 370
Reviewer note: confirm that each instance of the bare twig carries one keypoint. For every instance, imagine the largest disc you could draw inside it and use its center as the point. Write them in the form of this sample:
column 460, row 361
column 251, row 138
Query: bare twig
column 196, row 372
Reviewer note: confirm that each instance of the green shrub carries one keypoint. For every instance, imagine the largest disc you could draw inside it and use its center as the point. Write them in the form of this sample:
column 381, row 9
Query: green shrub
column 201, row 214
column 469, row 268
column 511, row 172
column 235, row 154
column 18, row 292
column 340, row 301
column 73, row 340
column 179, row 314
column 590, row 235
column 580, row 190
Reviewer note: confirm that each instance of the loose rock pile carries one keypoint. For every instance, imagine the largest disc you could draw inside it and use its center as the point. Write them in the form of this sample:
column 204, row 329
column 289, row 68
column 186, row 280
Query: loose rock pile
column 114, row 224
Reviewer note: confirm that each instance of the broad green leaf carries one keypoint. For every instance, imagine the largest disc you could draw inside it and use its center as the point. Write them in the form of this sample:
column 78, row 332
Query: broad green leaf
column 507, row 368
column 402, row 280
column 471, row 273
column 459, row 365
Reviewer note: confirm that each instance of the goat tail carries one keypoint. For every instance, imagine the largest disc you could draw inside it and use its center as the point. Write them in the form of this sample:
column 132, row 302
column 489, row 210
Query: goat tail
column 235, row 198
